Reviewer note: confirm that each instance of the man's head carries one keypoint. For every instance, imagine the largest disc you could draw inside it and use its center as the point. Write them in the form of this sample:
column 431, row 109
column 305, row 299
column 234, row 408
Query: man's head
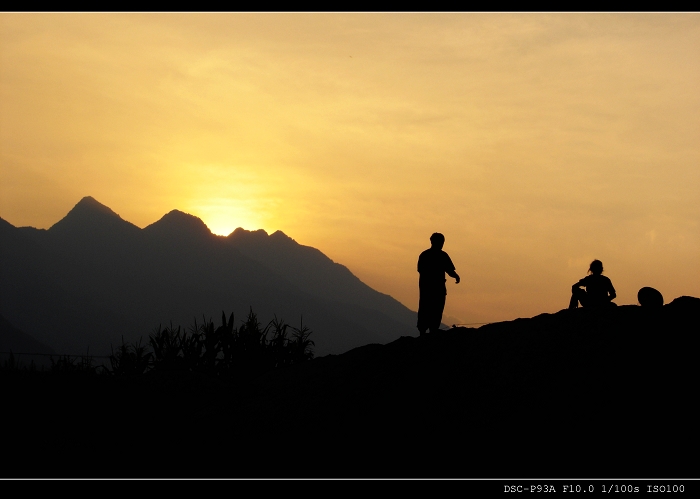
column 437, row 240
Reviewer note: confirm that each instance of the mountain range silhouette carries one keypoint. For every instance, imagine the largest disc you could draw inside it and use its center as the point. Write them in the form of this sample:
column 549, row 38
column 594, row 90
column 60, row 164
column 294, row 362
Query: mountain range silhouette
column 93, row 278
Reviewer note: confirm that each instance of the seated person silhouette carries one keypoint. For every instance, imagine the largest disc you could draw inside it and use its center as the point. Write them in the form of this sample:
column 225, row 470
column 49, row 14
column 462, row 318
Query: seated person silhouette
column 599, row 290
column 433, row 263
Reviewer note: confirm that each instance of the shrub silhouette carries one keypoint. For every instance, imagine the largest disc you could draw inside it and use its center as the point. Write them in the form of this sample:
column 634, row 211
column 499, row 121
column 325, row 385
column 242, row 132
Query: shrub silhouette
column 169, row 353
column 13, row 364
column 245, row 351
column 67, row 364
column 130, row 359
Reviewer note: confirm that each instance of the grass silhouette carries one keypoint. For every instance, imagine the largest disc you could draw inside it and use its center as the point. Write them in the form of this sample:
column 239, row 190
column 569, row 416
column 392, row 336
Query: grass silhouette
column 65, row 364
column 248, row 350
column 12, row 363
column 130, row 359
column 224, row 351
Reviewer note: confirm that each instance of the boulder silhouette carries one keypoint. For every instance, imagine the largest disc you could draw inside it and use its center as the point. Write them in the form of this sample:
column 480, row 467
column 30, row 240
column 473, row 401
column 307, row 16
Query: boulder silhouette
column 650, row 297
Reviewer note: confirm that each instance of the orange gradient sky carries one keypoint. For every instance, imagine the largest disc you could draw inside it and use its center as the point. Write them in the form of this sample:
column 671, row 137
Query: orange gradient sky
column 534, row 142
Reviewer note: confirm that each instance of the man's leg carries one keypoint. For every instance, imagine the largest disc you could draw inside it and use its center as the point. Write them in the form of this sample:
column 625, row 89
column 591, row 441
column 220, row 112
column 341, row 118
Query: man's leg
column 438, row 307
column 579, row 295
column 423, row 313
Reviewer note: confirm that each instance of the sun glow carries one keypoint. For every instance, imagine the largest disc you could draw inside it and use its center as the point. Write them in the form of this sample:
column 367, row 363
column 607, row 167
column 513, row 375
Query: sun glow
column 224, row 218
column 226, row 196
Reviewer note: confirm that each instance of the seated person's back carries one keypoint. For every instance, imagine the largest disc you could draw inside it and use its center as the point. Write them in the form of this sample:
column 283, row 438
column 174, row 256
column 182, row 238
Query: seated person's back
column 599, row 289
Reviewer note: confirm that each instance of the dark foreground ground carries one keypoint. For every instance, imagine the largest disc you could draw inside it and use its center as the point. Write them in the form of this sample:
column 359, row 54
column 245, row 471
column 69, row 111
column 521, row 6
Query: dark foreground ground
column 577, row 394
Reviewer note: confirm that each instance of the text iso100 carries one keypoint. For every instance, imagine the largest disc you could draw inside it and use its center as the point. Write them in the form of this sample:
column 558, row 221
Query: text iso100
column 666, row 488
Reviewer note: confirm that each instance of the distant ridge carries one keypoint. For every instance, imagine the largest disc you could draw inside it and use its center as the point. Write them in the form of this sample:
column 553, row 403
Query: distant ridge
column 247, row 235
column 16, row 341
column 316, row 273
column 93, row 278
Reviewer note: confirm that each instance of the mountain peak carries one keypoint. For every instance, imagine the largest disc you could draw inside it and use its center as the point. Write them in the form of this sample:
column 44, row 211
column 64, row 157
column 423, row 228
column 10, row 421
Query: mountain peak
column 89, row 205
column 89, row 202
column 88, row 214
column 242, row 234
column 177, row 222
column 281, row 236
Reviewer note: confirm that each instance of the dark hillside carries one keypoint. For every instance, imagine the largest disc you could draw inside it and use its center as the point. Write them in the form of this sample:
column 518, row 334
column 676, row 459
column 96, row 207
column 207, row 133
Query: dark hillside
column 576, row 394
column 18, row 342
column 321, row 277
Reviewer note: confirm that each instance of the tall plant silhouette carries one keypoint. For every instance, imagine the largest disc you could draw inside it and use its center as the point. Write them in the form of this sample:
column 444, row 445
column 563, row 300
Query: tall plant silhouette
column 247, row 350
column 301, row 345
column 130, row 359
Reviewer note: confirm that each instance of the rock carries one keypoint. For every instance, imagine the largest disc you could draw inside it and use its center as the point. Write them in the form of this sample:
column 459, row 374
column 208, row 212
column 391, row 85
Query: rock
column 650, row 297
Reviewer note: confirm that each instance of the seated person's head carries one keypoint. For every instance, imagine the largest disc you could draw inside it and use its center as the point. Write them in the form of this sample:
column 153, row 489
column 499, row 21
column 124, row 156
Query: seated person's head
column 596, row 267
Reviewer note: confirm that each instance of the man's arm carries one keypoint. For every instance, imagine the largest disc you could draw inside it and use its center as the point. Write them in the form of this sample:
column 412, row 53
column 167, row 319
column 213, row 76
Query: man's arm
column 577, row 285
column 450, row 267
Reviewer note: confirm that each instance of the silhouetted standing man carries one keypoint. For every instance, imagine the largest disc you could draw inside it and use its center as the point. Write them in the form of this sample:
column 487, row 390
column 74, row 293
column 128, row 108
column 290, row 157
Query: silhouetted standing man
column 433, row 263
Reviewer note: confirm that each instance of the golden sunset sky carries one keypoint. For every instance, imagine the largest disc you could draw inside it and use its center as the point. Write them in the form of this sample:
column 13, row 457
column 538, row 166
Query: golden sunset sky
column 534, row 142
